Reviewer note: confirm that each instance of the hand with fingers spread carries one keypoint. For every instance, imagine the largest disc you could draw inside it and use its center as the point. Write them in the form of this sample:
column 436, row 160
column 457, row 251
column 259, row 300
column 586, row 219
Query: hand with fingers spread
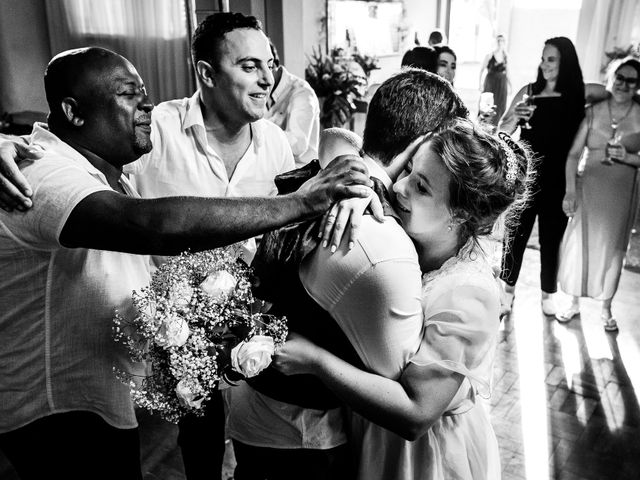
column 345, row 177
column 346, row 215
column 15, row 191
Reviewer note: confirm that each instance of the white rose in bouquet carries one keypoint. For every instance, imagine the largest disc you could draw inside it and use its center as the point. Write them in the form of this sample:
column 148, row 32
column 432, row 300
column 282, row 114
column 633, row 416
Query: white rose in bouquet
column 251, row 357
column 218, row 284
column 173, row 332
column 186, row 395
column 180, row 294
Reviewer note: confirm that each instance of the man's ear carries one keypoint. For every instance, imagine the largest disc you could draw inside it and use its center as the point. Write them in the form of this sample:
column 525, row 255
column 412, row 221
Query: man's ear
column 206, row 73
column 70, row 109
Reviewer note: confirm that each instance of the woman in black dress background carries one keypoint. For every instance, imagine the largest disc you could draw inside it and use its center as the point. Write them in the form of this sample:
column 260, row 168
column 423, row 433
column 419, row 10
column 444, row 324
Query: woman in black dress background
column 495, row 80
column 548, row 125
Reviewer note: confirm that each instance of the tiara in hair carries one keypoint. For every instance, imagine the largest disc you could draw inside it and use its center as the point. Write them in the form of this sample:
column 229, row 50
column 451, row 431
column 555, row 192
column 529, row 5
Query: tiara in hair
column 510, row 147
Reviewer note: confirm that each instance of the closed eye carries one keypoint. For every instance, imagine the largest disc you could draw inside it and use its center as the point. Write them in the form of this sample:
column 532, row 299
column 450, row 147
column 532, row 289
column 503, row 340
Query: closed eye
column 421, row 187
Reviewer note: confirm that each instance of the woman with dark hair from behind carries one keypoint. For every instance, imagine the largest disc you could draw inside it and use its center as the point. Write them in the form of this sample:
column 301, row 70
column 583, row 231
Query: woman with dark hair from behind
column 548, row 126
column 601, row 195
column 425, row 58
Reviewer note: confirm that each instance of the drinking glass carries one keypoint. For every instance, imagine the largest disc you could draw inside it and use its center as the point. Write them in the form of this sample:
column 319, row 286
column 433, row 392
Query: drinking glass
column 529, row 100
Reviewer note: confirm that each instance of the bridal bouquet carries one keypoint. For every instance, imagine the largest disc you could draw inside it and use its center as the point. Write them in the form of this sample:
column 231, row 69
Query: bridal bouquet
column 196, row 326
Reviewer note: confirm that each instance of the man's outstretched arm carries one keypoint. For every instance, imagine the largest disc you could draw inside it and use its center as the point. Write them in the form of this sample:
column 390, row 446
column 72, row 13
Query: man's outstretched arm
column 107, row 220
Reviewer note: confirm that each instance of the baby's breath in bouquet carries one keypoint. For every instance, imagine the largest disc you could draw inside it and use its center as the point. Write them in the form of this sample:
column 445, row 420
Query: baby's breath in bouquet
column 196, row 325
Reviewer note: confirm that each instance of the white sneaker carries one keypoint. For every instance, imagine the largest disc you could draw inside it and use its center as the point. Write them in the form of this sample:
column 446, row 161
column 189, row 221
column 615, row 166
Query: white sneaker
column 567, row 315
column 549, row 306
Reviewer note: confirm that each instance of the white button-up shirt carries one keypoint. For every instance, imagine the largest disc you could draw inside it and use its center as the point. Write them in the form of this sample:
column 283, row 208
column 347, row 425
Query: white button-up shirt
column 57, row 304
column 296, row 110
column 183, row 163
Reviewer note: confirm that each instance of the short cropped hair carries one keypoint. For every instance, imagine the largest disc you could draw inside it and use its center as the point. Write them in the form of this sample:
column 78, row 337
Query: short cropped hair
column 409, row 104
column 205, row 43
column 65, row 72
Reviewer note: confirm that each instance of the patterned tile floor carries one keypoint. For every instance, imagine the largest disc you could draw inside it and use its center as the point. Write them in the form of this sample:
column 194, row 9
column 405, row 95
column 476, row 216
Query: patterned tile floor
column 564, row 405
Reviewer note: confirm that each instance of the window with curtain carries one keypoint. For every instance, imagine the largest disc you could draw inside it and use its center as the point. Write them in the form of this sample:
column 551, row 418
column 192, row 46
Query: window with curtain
column 152, row 34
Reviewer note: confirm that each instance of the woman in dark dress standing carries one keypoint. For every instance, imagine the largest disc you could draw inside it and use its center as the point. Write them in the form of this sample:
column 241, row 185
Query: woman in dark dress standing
column 548, row 112
column 496, row 80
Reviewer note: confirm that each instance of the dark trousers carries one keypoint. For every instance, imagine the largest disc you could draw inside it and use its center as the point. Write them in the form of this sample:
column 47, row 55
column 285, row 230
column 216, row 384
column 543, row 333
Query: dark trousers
column 201, row 441
column 73, row 446
column 260, row 463
column 552, row 221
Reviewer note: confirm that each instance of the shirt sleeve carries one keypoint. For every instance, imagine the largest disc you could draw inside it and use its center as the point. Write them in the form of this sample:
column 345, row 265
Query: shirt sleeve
column 58, row 186
column 374, row 294
column 461, row 326
column 303, row 111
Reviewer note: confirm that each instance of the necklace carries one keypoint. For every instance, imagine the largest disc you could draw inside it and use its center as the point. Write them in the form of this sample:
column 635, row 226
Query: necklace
column 614, row 122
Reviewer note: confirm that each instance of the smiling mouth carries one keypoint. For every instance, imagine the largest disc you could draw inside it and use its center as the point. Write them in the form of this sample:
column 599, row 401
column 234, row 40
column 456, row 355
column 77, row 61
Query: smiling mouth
column 258, row 96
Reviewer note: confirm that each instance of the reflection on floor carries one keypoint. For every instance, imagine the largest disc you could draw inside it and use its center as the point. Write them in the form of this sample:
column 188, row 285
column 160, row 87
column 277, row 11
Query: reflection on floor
column 564, row 404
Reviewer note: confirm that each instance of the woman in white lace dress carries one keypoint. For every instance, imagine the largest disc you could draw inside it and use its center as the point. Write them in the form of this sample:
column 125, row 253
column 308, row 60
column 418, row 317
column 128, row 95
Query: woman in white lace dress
column 429, row 423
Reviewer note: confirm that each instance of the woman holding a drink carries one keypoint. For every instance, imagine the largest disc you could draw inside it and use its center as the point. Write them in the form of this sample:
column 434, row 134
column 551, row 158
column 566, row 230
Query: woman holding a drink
column 601, row 195
column 548, row 113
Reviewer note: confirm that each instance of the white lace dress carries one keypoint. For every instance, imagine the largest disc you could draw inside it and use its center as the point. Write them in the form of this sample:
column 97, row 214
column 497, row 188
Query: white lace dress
column 462, row 443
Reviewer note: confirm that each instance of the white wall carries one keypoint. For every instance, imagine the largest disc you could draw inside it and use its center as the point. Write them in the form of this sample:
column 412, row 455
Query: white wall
column 529, row 29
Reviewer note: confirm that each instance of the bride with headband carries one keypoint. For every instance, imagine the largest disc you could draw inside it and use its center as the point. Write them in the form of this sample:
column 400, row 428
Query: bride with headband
column 430, row 422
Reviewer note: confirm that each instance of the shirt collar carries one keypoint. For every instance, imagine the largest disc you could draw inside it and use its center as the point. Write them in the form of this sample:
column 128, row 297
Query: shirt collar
column 43, row 138
column 283, row 85
column 193, row 115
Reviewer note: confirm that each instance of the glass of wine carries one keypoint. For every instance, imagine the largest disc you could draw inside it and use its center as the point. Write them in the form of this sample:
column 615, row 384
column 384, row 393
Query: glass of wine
column 529, row 101
column 486, row 102
column 614, row 142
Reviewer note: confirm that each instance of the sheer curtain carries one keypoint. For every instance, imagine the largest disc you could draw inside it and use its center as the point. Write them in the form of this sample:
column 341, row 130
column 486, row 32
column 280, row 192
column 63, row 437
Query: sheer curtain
column 152, row 34
column 604, row 24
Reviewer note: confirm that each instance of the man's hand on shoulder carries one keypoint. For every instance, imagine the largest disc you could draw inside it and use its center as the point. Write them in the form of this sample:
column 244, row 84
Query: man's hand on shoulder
column 344, row 177
column 15, row 191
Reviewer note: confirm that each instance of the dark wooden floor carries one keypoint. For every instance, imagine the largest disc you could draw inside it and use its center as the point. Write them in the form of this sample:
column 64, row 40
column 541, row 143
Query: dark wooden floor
column 564, row 404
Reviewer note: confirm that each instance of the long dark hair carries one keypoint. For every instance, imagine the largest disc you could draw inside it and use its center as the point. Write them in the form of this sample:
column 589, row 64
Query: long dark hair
column 570, row 82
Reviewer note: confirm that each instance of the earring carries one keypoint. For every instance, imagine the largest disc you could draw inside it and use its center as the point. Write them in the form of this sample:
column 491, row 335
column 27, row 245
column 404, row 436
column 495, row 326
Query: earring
column 449, row 228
